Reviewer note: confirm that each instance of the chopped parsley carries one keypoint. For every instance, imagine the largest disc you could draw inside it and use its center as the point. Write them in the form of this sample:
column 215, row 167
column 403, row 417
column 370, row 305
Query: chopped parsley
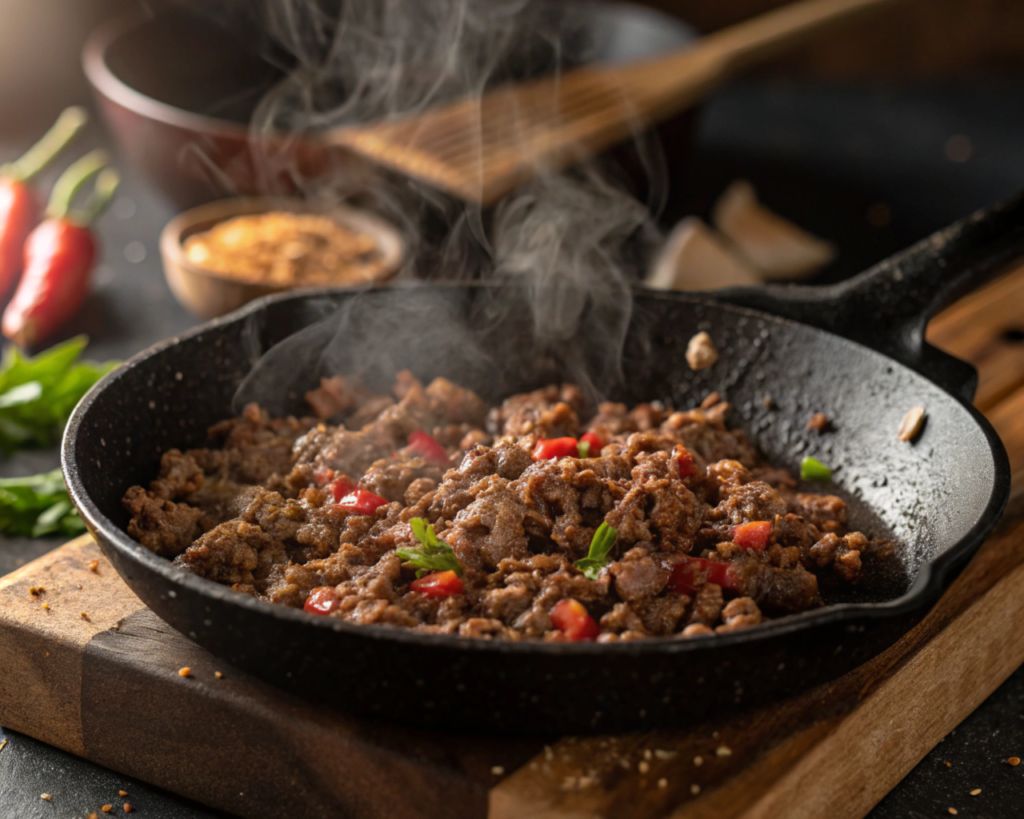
column 601, row 545
column 434, row 555
column 811, row 469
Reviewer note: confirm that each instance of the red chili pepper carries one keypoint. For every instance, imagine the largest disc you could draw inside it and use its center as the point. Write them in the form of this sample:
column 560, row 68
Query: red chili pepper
column 59, row 256
column 687, row 466
column 751, row 535
column 548, row 448
column 322, row 600
column 595, row 442
column 424, row 445
column 438, row 584
column 340, row 488
column 685, row 577
column 360, row 502
column 19, row 206
column 569, row 617
column 322, row 477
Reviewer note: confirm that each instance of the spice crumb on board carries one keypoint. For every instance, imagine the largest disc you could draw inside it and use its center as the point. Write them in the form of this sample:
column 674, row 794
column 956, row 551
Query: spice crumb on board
column 46, row 606
column 976, row 791
column 1014, row 761
column 952, row 810
column 122, row 793
column 46, row 796
column 911, row 424
column 819, row 422
column 85, row 616
column 127, row 807
column 185, row 672
column 35, row 591
column 701, row 352
column 80, row 586
column 107, row 808
column 218, row 675
column 93, row 566
column 948, row 764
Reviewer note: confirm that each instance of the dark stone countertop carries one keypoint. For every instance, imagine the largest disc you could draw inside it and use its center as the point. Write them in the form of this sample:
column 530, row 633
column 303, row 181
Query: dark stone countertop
column 820, row 154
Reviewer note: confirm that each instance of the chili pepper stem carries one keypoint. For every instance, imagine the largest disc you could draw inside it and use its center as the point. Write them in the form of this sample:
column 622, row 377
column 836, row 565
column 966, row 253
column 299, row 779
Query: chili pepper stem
column 106, row 186
column 69, row 123
column 71, row 181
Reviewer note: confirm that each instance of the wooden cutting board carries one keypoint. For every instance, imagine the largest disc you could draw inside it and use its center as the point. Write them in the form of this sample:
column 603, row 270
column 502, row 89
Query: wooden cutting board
column 86, row 667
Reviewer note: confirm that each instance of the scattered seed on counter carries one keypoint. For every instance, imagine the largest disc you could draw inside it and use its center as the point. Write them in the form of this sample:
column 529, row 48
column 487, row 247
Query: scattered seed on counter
column 976, row 791
column 122, row 793
column 498, row 770
column 701, row 352
column 107, row 808
column 35, row 591
column 185, row 672
column 85, row 616
column 1014, row 761
column 819, row 422
column 723, row 750
column 911, row 424
column 218, row 675
column 127, row 807
column 948, row 764
column 46, row 606
column 952, row 811
column 93, row 566
column 80, row 586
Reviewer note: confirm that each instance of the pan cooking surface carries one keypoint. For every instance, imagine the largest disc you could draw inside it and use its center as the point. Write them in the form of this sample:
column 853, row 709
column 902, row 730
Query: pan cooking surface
column 937, row 496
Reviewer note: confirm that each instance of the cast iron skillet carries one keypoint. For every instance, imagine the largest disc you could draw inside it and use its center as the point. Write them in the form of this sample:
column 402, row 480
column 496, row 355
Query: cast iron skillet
column 940, row 496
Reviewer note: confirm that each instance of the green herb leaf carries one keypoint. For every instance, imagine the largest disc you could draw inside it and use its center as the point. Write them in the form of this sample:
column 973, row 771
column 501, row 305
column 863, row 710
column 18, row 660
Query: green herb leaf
column 600, row 546
column 37, row 394
column 38, row 505
column 433, row 555
column 584, row 448
column 811, row 469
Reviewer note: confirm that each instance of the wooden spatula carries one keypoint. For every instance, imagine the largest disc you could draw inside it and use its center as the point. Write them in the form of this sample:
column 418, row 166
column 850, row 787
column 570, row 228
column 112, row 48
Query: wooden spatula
column 479, row 149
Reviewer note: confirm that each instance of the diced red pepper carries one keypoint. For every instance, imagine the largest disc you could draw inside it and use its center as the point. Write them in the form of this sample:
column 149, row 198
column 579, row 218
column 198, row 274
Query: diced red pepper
column 685, row 577
column 340, row 488
column 427, row 447
column 687, row 466
column 569, row 617
column 360, row 502
column 322, row 600
column 323, row 477
column 596, row 444
column 751, row 535
column 438, row 584
column 548, row 448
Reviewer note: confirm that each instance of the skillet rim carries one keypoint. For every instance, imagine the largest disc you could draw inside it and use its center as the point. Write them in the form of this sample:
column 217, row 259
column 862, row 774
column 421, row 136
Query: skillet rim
column 927, row 587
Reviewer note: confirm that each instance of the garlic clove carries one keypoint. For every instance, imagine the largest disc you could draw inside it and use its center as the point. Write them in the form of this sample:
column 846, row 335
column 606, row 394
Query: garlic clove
column 695, row 257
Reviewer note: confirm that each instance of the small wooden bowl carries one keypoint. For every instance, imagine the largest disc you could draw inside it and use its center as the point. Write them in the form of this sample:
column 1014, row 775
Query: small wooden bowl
column 209, row 294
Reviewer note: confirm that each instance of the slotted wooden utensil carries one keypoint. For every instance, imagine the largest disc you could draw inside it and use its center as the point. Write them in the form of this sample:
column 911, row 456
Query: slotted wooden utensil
column 479, row 149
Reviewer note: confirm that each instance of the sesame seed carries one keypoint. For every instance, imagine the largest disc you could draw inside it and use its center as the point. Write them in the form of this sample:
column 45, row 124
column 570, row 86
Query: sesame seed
column 723, row 750
column 85, row 616
column 976, row 791
column 498, row 770
column 694, row 788
column 662, row 783
column 185, row 672
column 643, row 767
column 952, row 810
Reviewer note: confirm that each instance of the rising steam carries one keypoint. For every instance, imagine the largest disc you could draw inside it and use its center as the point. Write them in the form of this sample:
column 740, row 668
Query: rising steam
column 575, row 241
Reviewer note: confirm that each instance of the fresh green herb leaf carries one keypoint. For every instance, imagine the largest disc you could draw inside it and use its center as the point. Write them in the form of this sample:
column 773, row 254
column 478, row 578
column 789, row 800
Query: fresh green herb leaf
column 811, row 469
column 434, row 555
column 584, row 448
column 38, row 393
column 600, row 546
column 38, row 505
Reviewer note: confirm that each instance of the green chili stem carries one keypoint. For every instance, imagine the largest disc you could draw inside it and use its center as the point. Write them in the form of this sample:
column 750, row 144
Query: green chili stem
column 103, row 192
column 69, row 123
column 71, row 181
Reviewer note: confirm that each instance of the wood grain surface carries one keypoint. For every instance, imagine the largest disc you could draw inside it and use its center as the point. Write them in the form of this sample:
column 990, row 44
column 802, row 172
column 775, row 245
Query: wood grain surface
column 106, row 686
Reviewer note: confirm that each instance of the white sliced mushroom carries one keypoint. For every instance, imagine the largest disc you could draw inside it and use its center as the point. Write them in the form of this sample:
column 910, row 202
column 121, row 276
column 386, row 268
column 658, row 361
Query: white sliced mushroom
column 773, row 246
column 695, row 257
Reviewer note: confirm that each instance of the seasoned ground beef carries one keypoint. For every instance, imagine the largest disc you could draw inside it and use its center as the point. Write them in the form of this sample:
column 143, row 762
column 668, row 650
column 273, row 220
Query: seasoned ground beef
column 331, row 514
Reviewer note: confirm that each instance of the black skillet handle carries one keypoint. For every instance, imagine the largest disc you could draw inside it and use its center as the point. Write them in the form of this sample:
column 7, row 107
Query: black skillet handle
column 887, row 307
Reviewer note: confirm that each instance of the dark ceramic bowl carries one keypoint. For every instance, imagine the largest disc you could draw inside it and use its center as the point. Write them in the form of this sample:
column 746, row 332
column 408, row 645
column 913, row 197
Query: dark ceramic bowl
column 178, row 93
column 939, row 496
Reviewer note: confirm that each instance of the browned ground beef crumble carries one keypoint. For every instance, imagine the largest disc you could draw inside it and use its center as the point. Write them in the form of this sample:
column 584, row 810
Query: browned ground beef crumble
column 250, row 513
